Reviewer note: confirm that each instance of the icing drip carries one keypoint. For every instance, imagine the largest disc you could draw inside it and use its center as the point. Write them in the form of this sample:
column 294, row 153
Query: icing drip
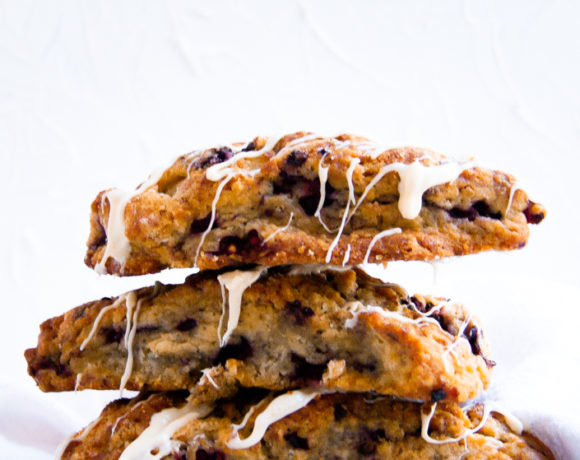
column 322, row 177
column 279, row 408
column 315, row 269
column 236, row 282
column 490, row 406
column 218, row 192
column 414, row 180
column 131, row 330
column 458, row 338
column 118, row 246
column 122, row 417
column 515, row 187
column 206, row 374
column 129, row 338
column 346, row 255
column 120, row 299
column 273, row 234
column 78, row 382
column 351, row 198
column 377, row 237
column 356, row 308
column 157, row 436
column 66, row 441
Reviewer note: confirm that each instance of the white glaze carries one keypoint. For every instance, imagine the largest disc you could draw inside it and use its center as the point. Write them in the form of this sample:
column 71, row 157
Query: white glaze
column 353, row 163
column 78, row 381
column 279, row 408
column 315, row 269
column 514, row 188
column 157, row 436
column 118, row 246
column 489, row 406
column 236, row 282
column 346, row 255
column 129, row 345
column 356, row 308
column 281, row 229
column 216, row 198
column 377, row 237
column 206, row 374
column 459, row 338
column 415, row 179
column 322, row 177
column 97, row 320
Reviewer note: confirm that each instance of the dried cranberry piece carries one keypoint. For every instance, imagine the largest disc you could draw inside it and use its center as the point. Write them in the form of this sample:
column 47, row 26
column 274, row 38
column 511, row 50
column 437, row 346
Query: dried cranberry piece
column 112, row 334
column 201, row 454
column 217, row 156
column 533, row 216
column 232, row 244
column 200, row 225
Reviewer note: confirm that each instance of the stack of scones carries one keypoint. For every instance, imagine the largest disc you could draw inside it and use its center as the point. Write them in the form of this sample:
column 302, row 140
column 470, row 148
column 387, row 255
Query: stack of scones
column 281, row 345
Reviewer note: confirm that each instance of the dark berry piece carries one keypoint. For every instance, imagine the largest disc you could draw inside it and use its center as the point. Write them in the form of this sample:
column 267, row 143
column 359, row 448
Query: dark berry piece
column 112, row 334
column 250, row 147
column 533, row 213
column 201, row 454
column 186, row 325
column 200, row 225
column 296, row 158
column 147, row 328
column 305, row 371
column 240, row 351
column 217, row 156
column 297, row 442
column 438, row 395
column 361, row 367
column 299, row 312
column 339, row 412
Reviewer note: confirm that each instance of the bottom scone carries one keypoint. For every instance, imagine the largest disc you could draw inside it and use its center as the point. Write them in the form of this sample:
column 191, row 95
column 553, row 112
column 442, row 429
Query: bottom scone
column 301, row 424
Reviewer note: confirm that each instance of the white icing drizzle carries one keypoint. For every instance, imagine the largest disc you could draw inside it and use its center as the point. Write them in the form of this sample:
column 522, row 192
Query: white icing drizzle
column 323, row 177
column 236, row 282
column 281, row 229
column 157, row 436
column 489, row 406
column 279, row 408
column 315, row 269
column 515, row 187
column 458, row 338
column 377, row 237
column 346, row 255
column 130, row 304
column 206, row 374
column 66, row 441
column 118, row 246
column 414, row 180
column 218, row 192
column 78, row 381
column 353, row 163
column 132, row 329
column 356, row 308
column 134, row 408
column 97, row 320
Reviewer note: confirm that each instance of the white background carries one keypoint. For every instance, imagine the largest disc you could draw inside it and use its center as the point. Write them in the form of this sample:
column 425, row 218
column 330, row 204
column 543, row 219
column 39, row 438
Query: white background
column 97, row 94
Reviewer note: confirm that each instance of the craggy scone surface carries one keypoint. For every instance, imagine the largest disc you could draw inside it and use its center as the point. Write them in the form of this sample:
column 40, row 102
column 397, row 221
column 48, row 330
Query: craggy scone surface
column 324, row 327
column 266, row 195
column 335, row 426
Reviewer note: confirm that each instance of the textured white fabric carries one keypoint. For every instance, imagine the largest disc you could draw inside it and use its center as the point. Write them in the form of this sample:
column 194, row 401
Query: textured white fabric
column 98, row 94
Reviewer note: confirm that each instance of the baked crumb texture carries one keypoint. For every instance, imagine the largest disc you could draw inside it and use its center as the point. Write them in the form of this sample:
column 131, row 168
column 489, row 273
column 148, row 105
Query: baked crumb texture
column 263, row 203
column 332, row 426
column 339, row 330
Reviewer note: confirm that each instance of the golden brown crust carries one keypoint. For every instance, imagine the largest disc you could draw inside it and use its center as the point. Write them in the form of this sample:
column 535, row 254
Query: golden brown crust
column 294, row 330
column 164, row 223
column 337, row 426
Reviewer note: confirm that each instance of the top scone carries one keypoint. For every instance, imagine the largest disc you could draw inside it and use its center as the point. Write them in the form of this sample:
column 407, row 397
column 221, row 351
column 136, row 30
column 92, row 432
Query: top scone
column 303, row 199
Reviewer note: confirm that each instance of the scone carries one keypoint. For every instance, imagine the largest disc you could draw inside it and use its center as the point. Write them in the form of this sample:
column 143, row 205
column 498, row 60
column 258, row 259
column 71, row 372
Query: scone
column 302, row 424
column 275, row 328
column 303, row 199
